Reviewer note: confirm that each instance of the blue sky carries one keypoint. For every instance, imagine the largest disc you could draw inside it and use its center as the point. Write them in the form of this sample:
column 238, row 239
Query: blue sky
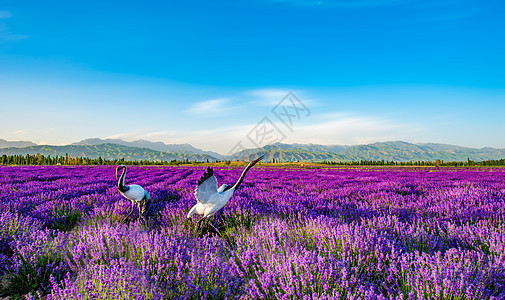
column 206, row 72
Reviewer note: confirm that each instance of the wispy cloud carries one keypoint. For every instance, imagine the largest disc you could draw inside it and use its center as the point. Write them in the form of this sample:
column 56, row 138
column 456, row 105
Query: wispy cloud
column 272, row 97
column 323, row 127
column 456, row 15
column 142, row 135
column 343, row 3
column 299, row 2
column 5, row 14
column 215, row 139
column 343, row 128
column 364, row 3
column 351, row 129
column 19, row 132
column 267, row 97
column 214, row 107
column 5, row 34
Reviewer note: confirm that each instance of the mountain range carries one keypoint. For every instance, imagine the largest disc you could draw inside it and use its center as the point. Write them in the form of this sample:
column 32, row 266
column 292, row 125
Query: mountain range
column 17, row 144
column 106, row 151
column 388, row 151
column 158, row 146
column 147, row 150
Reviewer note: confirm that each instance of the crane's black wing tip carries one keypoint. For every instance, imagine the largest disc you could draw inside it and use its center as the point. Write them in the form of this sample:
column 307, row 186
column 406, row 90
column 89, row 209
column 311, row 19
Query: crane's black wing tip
column 227, row 188
column 206, row 175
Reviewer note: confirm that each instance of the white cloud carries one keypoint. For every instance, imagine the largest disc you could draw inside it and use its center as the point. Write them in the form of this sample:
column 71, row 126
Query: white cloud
column 352, row 129
column 5, row 14
column 272, row 97
column 145, row 134
column 341, row 128
column 456, row 15
column 19, row 132
column 211, row 107
column 161, row 135
column 343, row 3
column 218, row 139
column 5, row 34
column 268, row 97
column 367, row 3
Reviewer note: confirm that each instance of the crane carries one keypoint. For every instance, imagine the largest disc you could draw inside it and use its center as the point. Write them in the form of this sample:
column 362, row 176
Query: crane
column 210, row 199
column 133, row 192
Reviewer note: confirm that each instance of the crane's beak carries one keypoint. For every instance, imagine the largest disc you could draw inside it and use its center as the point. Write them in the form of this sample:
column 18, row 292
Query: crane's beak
column 258, row 159
column 117, row 169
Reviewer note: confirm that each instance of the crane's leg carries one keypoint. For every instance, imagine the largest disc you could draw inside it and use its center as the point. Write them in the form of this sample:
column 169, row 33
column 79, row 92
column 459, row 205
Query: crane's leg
column 141, row 209
column 139, row 205
column 131, row 211
column 199, row 223
column 214, row 228
column 210, row 222
column 145, row 206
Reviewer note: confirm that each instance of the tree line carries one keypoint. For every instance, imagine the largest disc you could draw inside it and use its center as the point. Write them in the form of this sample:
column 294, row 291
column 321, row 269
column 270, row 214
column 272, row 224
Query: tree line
column 42, row 160
column 436, row 163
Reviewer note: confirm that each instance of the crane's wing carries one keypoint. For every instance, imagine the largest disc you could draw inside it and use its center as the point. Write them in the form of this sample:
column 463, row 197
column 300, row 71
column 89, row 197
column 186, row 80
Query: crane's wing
column 207, row 187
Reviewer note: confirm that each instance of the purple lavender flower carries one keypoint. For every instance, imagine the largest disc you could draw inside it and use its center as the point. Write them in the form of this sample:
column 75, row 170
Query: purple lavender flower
column 288, row 233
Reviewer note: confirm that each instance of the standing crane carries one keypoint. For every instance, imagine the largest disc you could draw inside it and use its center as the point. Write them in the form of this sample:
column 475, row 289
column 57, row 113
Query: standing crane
column 210, row 199
column 133, row 192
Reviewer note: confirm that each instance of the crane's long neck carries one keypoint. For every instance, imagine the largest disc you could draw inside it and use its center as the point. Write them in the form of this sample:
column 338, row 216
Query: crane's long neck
column 239, row 181
column 120, row 184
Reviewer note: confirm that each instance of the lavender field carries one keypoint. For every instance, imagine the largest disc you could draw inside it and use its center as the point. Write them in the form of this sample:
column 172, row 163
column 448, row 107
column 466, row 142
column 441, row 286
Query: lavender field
column 287, row 233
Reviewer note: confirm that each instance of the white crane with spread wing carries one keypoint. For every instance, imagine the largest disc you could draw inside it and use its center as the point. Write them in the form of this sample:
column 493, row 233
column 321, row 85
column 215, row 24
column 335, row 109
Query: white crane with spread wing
column 210, row 199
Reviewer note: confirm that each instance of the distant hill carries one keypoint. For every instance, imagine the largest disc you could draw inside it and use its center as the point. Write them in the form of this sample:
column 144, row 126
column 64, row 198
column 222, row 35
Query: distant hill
column 313, row 147
column 16, row 144
column 396, row 151
column 402, row 151
column 146, row 150
column 107, row 151
column 158, row 146
column 293, row 152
